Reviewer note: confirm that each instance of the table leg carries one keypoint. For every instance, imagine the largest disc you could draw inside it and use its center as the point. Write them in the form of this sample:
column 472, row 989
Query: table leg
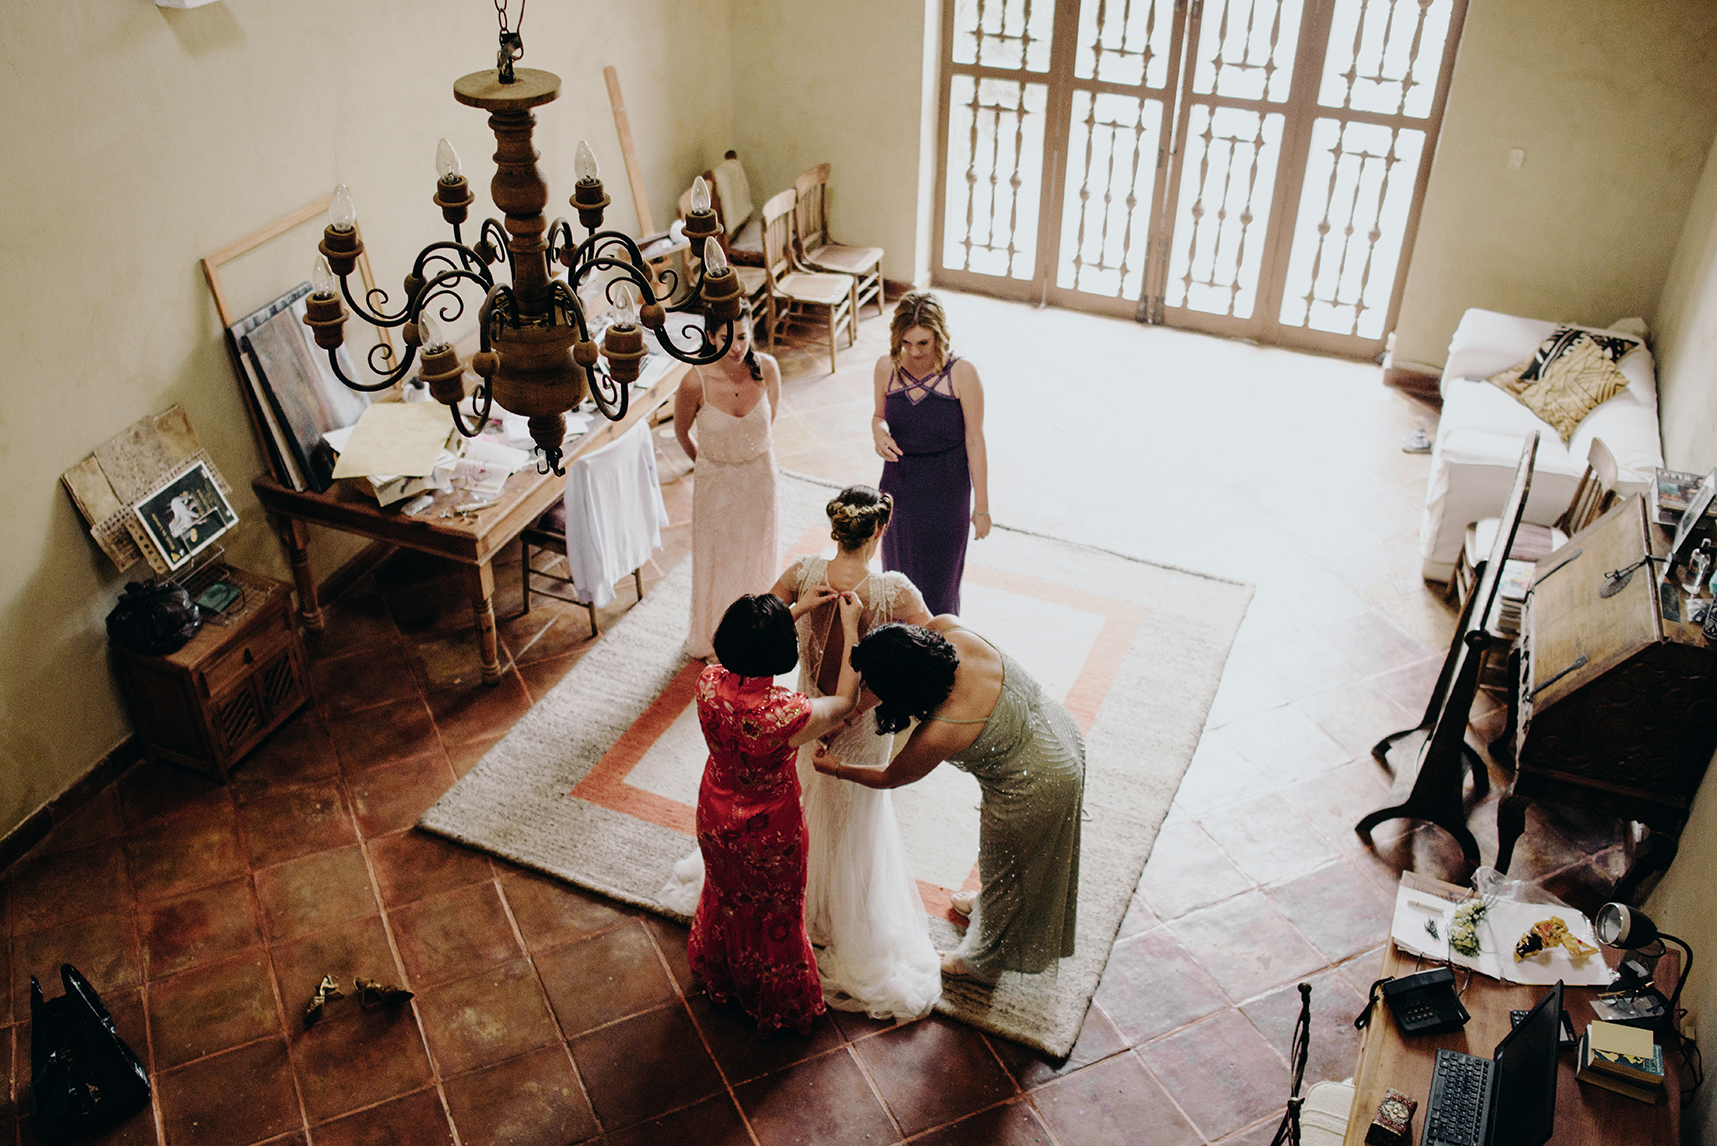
column 480, row 584
column 295, row 536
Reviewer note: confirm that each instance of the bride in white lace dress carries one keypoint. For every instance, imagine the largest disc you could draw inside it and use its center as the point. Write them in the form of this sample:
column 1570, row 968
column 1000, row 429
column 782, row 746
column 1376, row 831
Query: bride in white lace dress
column 862, row 907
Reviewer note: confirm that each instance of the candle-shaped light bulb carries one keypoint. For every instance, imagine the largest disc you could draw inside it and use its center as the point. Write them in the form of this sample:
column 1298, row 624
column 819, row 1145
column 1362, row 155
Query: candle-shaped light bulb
column 429, row 332
column 342, row 212
column 584, row 164
column 700, row 194
column 447, row 162
column 625, row 306
column 714, row 261
column 322, row 281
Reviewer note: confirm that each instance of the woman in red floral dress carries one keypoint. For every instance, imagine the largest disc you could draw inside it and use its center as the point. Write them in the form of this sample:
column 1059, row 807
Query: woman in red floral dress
column 748, row 942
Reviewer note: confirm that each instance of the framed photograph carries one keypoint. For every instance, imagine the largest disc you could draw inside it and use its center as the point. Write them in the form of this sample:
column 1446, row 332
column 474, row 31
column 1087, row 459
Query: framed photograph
column 300, row 396
column 1691, row 517
column 185, row 516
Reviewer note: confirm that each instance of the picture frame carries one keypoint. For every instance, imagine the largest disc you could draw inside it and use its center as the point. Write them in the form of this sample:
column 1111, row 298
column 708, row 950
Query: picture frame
column 184, row 516
column 296, row 391
column 281, row 448
column 1691, row 517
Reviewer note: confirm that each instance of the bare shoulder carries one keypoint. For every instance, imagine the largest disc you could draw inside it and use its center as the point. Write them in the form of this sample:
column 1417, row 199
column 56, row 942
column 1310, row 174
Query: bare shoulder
column 884, row 367
column 965, row 378
column 770, row 367
column 691, row 384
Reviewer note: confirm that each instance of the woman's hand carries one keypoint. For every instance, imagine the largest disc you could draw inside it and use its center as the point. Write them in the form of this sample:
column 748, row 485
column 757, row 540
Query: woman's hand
column 823, row 760
column 811, row 598
column 849, row 611
column 885, row 447
column 980, row 525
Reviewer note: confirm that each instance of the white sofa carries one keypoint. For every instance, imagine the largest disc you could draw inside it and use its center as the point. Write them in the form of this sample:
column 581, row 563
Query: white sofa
column 1477, row 445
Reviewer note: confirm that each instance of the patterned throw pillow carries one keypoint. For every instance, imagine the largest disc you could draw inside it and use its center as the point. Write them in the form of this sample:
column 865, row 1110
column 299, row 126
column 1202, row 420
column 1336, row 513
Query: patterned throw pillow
column 1571, row 373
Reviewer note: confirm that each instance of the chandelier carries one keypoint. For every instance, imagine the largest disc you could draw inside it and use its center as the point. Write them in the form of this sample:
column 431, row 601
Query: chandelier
column 536, row 356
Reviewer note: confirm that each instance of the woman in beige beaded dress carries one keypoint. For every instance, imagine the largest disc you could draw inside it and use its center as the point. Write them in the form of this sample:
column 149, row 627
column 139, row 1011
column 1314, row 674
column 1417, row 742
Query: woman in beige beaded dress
column 722, row 417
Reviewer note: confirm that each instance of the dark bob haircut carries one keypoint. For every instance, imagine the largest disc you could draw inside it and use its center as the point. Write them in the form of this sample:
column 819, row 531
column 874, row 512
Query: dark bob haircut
column 756, row 637
column 909, row 668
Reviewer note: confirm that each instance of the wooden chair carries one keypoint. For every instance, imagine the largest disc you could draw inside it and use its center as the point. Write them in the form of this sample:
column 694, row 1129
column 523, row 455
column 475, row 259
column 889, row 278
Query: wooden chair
column 549, row 532
column 817, row 251
column 797, row 296
column 1595, row 494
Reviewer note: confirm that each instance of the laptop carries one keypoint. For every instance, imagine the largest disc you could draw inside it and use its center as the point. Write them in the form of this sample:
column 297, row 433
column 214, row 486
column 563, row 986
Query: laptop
column 1508, row 1099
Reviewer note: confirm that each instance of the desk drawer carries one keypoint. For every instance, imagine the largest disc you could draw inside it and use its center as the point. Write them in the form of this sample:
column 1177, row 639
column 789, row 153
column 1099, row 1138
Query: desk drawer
column 241, row 661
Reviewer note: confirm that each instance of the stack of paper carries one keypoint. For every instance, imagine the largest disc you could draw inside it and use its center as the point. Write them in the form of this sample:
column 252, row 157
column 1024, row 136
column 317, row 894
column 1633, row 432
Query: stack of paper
column 486, row 466
column 396, row 449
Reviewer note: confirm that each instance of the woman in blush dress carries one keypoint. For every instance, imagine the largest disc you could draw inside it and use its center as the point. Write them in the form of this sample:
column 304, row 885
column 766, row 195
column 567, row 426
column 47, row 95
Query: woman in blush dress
column 979, row 710
column 862, row 907
column 748, row 942
column 928, row 427
column 730, row 404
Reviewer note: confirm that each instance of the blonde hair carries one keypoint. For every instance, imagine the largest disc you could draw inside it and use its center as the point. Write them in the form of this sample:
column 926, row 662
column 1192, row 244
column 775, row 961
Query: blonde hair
column 919, row 308
column 857, row 514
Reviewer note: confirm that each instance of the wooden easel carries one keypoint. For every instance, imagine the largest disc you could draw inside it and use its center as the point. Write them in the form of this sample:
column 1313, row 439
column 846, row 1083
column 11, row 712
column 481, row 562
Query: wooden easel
column 679, row 253
column 1430, row 761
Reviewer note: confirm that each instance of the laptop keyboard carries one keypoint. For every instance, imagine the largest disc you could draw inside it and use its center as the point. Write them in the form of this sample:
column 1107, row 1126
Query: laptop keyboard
column 1460, row 1100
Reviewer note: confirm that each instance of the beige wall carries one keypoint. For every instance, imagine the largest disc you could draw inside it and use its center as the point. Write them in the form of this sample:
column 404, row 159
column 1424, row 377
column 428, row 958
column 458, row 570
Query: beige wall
column 831, row 81
column 1613, row 102
column 1686, row 348
column 138, row 139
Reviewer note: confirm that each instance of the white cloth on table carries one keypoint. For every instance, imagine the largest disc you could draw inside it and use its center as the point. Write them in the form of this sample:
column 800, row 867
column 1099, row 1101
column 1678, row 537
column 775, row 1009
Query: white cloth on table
column 614, row 514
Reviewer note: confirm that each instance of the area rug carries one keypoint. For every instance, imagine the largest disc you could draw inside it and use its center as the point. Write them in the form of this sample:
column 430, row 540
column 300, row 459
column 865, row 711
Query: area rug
column 597, row 783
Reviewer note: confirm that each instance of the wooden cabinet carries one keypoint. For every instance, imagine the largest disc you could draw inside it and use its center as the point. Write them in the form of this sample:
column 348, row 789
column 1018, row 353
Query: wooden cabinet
column 1617, row 704
column 212, row 701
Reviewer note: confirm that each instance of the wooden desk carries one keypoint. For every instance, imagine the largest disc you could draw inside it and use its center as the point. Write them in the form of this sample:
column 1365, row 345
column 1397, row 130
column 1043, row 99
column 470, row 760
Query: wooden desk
column 1613, row 710
column 473, row 541
column 1584, row 1113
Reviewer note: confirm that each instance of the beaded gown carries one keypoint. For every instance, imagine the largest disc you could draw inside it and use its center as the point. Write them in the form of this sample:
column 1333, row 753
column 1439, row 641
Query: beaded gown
column 931, row 484
column 862, row 907
column 733, row 516
column 1029, row 760
column 748, row 942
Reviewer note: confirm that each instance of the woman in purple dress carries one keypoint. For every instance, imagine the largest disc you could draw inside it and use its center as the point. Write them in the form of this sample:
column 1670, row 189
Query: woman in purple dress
column 929, row 432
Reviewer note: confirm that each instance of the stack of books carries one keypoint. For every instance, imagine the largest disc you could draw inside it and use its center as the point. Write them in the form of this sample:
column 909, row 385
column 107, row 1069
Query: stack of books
column 1626, row 1060
column 1672, row 493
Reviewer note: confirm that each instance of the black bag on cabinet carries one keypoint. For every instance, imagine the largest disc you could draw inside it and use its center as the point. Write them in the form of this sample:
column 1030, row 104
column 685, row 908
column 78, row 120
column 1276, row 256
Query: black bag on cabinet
column 153, row 618
column 83, row 1078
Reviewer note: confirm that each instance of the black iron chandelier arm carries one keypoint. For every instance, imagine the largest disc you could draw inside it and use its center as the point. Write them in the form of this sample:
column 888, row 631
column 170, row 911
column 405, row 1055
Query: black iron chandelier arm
column 469, row 260
column 611, row 397
column 387, row 380
column 492, row 244
column 480, row 391
column 598, row 241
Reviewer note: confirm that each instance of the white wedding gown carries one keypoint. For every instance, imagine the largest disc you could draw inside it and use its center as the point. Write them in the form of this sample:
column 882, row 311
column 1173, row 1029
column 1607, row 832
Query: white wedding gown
column 862, row 907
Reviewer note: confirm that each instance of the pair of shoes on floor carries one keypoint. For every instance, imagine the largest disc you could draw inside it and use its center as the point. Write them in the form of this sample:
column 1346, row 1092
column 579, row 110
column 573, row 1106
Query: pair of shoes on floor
column 1418, row 442
column 954, row 967
column 370, row 994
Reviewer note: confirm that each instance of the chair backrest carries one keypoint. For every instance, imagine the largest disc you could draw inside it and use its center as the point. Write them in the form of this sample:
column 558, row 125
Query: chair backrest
column 812, row 216
column 728, row 185
column 778, row 234
column 1595, row 493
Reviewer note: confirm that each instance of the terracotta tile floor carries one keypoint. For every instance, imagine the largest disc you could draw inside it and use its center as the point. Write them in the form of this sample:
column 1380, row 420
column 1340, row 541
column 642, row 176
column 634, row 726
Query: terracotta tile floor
column 207, row 914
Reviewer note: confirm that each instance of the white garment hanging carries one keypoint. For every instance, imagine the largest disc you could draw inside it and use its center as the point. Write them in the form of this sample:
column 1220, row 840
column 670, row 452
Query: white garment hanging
column 614, row 514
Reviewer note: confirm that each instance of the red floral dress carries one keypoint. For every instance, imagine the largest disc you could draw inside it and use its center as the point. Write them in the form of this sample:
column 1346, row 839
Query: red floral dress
column 748, row 942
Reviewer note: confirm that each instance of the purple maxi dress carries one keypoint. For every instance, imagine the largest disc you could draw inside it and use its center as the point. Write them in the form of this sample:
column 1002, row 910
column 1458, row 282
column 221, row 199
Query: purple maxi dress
column 931, row 485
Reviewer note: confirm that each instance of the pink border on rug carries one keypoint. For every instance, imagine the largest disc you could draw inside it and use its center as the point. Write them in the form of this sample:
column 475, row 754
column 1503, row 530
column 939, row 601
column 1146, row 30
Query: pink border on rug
column 606, row 785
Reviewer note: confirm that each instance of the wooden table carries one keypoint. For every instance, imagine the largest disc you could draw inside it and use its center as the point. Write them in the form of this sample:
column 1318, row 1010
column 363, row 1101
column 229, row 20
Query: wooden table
column 1584, row 1113
column 472, row 541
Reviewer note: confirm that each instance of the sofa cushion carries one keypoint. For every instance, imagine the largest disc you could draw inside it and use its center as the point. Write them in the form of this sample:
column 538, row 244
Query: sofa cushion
column 1572, row 372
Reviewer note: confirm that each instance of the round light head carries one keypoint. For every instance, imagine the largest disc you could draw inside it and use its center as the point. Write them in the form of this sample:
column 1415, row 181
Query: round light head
column 700, row 194
column 714, row 260
column 1618, row 925
column 625, row 306
column 429, row 332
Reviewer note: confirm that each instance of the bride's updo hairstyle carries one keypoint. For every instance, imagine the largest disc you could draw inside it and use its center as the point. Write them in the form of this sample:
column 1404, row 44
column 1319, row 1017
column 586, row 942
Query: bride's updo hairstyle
column 857, row 514
column 909, row 668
